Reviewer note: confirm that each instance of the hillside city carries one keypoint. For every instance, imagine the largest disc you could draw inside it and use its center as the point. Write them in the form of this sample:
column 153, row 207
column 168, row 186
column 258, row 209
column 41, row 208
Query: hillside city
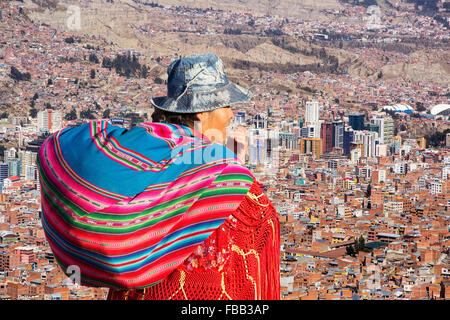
column 361, row 187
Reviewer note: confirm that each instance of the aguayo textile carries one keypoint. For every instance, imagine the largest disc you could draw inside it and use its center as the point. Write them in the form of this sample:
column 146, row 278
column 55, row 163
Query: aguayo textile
column 128, row 207
column 239, row 261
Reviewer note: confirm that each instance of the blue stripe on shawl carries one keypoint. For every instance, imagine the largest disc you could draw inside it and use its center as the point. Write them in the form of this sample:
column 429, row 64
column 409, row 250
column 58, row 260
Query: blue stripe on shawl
column 84, row 157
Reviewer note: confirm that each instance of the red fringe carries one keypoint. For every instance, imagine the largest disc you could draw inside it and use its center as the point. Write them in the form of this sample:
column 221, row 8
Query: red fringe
column 249, row 244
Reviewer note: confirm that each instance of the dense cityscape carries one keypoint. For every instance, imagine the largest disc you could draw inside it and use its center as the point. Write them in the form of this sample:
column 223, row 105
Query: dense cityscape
column 357, row 168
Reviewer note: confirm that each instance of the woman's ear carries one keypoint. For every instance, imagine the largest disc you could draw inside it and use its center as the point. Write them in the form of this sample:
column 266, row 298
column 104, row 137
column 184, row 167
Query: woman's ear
column 202, row 116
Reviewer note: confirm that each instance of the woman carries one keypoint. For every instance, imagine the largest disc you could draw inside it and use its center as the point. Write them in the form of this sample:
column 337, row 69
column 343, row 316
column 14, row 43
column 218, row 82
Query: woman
column 163, row 210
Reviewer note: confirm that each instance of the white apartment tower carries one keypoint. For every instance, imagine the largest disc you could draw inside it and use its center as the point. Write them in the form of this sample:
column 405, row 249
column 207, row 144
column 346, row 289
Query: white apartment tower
column 26, row 158
column 369, row 140
column 49, row 120
column 312, row 117
column 312, row 112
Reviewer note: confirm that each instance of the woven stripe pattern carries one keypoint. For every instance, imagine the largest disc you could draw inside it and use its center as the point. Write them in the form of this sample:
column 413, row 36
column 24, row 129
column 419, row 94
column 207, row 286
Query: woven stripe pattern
column 129, row 206
column 239, row 261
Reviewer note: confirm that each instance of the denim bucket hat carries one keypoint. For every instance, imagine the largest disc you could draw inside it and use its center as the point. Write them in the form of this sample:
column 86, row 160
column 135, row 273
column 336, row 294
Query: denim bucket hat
column 198, row 83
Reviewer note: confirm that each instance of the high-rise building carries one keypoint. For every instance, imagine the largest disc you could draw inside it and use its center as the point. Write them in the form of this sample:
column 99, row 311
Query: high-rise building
column 257, row 147
column 263, row 147
column 326, row 134
column 385, row 129
column 239, row 118
column 312, row 117
column 30, row 172
column 308, row 132
column 338, row 134
column 49, row 120
column 388, row 130
column 312, row 112
column 311, row 146
column 13, row 167
column 369, row 142
column 356, row 121
column 288, row 140
column 355, row 154
column 348, row 139
column 3, row 173
column 38, row 184
column 10, row 153
column 26, row 158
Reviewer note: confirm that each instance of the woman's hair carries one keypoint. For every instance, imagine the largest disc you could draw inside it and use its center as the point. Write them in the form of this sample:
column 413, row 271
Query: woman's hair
column 184, row 119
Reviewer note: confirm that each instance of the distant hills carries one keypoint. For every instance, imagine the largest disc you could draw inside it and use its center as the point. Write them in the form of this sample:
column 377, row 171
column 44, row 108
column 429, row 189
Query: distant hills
column 124, row 23
column 270, row 7
column 297, row 7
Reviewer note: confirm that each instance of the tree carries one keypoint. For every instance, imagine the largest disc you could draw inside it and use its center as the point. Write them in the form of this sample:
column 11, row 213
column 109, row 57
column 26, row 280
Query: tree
column 19, row 76
column 350, row 251
column 72, row 115
column 107, row 63
column 420, row 107
column 126, row 65
column 360, row 244
column 106, row 113
column 87, row 114
column 33, row 112
column 322, row 53
column 232, row 31
column 93, row 58
column 144, row 72
column 92, row 74
column 436, row 139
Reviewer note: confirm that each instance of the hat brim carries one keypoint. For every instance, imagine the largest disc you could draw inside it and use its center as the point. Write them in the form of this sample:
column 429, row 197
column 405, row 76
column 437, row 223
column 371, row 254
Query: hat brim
column 194, row 101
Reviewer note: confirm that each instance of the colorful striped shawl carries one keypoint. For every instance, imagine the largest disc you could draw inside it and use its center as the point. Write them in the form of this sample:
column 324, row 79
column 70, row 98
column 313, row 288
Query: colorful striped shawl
column 129, row 206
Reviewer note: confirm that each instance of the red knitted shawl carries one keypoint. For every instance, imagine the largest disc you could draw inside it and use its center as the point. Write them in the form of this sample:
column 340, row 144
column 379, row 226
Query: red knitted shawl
column 239, row 261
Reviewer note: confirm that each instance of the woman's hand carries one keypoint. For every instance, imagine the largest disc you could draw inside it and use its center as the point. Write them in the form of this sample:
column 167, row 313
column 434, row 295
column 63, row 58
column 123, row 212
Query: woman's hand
column 238, row 143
